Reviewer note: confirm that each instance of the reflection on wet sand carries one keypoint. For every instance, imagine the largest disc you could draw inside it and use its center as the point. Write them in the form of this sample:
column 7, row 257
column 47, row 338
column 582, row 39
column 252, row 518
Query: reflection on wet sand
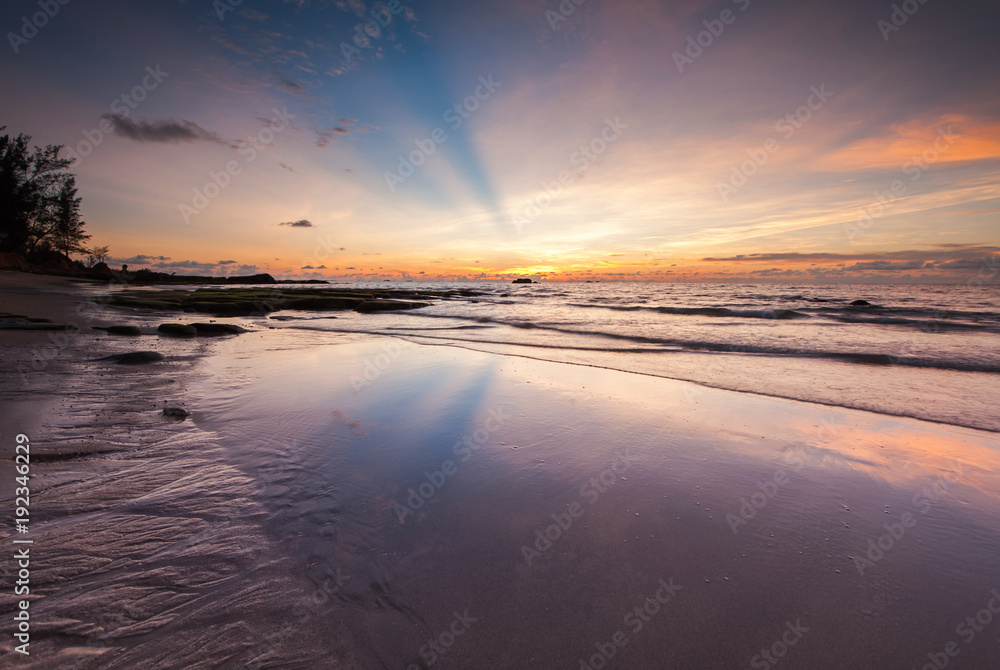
column 864, row 538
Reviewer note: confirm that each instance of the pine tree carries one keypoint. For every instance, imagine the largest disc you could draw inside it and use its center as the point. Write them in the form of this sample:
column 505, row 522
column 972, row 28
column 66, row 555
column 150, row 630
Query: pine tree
column 31, row 185
column 68, row 236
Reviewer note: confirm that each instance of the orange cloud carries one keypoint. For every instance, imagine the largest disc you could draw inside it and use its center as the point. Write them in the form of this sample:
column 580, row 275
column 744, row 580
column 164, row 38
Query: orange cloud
column 948, row 139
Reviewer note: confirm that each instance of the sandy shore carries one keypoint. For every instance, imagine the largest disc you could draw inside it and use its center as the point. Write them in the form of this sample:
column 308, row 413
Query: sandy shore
column 131, row 537
column 340, row 500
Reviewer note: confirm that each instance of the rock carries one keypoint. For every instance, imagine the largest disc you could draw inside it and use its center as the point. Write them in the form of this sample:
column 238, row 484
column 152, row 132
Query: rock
column 177, row 330
column 247, row 300
column 119, row 330
column 385, row 305
column 234, row 308
column 16, row 322
column 522, row 280
column 176, row 412
column 505, row 295
column 217, row 329
column 323, row 303
column 133, row 358
column 861, row 303
column 101, row 271
column 262, row 278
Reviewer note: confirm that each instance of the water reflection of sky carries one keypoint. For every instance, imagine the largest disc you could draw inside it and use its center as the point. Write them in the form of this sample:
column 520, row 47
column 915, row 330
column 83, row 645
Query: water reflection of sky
column 699, row 454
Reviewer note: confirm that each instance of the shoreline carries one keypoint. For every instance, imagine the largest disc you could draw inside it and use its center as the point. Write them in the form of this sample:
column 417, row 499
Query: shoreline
column 631, row 367
column 789, row 398
column 114, row 487
column 278, row 497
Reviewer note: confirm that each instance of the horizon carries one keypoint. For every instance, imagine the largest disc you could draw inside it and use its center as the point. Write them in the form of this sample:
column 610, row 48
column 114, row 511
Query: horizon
column 722, row 142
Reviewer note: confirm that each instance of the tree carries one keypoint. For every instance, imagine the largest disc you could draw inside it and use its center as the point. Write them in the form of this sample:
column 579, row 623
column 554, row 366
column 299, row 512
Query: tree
column 34, row 195
column 67, row 226
column 15, row 205
column 97, row 255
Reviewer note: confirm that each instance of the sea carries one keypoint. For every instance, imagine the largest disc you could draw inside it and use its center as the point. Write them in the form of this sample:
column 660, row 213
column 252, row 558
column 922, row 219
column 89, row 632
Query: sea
column 929, row 352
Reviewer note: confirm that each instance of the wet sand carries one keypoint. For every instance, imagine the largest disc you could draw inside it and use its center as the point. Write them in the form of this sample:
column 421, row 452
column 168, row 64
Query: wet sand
column 339, row 500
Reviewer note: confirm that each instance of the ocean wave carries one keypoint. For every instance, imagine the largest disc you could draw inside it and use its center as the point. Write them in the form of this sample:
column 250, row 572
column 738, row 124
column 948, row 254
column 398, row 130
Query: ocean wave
column 707, row 311
column 870, row 314
column 909, row 312
column 926, row 325
column 667, row 345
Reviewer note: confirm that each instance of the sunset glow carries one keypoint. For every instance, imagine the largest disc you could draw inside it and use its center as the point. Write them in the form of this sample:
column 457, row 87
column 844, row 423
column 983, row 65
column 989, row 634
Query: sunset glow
column 499, row 141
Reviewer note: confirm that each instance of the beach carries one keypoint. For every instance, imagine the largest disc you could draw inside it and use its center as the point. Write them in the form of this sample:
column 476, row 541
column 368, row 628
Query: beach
column 360, row 491
column 499, row 336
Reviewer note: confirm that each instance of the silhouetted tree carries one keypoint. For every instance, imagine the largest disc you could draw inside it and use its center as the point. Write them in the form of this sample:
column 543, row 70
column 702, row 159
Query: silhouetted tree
column 97, row 255
column 36, row 193
column 67, row 227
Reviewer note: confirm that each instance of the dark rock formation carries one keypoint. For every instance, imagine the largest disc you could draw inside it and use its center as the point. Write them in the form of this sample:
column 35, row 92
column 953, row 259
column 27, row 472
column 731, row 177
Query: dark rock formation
column 247, row 301
column 18, row 322
column 217, row 329
column 323, row 304
column 262, row 278
column 176, row 412
column 119, row 330
column 386, row 305
column 177, row 330
column 133, row 358
column 101, row 271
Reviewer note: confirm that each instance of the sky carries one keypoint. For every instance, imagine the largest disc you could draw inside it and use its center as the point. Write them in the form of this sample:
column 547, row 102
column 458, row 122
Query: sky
column 842, row 140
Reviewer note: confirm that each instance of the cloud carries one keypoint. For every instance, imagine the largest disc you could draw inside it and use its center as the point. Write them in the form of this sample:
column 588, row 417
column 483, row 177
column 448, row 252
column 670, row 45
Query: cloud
column 966, row 264
column 787, row 256
column 161, row 130
column 891, row 266
column 302, row 223
column 355, row 6
column 191, row 266
column 324, row 137
column 950, row 138
column 945, row 253
column 138, row 259
column 345, row 126
column 164, row 264
column 286, row 83
column 310, row 267
column 253, row 14
column 976, row 248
